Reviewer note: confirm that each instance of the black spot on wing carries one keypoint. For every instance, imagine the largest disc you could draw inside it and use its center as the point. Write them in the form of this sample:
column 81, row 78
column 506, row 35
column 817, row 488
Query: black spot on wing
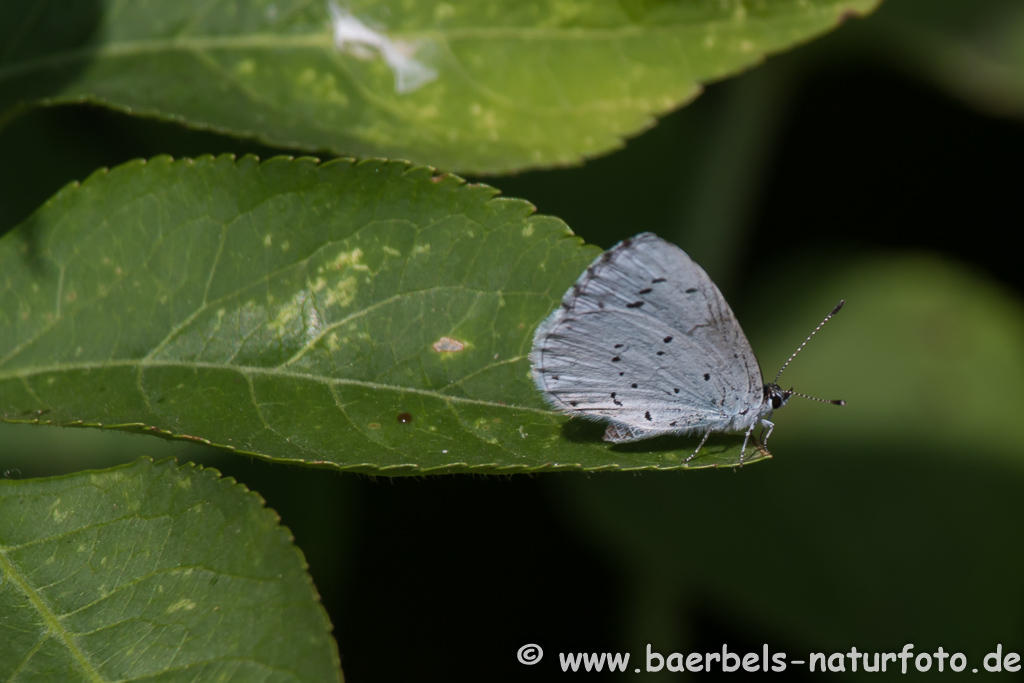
column 635, row 304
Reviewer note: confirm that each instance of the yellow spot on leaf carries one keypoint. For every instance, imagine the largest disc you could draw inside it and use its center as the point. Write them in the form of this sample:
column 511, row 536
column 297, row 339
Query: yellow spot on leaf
column 183, row 604
column 349, row 259
column 343, row 293
column 287, row 313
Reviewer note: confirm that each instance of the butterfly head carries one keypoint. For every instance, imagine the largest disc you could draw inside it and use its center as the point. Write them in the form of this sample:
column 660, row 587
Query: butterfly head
column 775, row 396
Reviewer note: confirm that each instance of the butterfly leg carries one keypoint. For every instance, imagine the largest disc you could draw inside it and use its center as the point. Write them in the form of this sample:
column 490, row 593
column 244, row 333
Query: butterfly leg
column 746, row 437
column 769, row 426
column 699, row 446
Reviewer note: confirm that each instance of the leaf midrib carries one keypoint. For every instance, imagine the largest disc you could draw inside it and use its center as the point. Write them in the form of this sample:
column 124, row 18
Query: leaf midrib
column 252, row 370
column 51, row 620
column 324, row 39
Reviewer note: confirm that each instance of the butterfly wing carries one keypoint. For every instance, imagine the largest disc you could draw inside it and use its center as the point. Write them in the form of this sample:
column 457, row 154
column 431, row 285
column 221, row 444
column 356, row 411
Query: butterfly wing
column 645, row 339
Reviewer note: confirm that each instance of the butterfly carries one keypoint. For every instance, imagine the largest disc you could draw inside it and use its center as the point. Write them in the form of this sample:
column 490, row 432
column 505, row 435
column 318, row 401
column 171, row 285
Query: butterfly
column 646, row 341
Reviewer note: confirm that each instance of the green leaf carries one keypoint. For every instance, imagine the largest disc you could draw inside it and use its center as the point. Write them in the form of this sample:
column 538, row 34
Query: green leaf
column 157, row 572
column 974, row 50
column 506, row 85
column 370, row 316
column 927, row 351
column 882, row 505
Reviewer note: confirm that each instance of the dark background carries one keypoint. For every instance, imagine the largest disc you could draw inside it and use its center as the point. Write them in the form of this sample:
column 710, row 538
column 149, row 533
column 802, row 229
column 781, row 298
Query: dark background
column 844, row 168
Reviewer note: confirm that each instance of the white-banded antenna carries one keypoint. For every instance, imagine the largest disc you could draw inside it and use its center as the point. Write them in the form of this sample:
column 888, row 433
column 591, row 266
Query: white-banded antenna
column 835, row 402
column 800, row 348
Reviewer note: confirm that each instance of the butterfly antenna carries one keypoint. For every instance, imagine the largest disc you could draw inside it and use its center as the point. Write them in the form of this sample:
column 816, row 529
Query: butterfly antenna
column 836, row 402
column 800, row 348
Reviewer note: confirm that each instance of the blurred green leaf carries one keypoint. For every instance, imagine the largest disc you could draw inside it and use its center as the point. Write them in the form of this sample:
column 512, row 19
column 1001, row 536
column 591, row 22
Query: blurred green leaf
column 472, row 87
column 900, row 507
column 925, row 352
column 151, row 571
column 974, row 50
column 369, row 316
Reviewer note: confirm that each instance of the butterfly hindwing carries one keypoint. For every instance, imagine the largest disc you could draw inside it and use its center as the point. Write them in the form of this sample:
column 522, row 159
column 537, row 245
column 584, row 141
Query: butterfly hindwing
column 645, row 339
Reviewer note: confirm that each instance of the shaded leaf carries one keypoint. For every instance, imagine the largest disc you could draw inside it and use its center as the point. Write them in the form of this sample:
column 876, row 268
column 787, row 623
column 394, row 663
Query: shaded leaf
column 913, row 487
column 928, row 352
column 151, row 571
column 369, row 316
column 473, row 87
column 974, row 50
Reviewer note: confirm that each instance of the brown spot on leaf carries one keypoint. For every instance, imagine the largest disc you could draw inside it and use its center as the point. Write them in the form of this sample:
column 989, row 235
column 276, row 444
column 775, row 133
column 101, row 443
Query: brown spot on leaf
column 448, row 345
column 405, row 418
column 848, row 14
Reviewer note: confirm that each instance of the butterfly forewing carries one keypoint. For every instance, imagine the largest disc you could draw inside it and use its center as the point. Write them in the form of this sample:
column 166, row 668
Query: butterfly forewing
column 645, row 339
